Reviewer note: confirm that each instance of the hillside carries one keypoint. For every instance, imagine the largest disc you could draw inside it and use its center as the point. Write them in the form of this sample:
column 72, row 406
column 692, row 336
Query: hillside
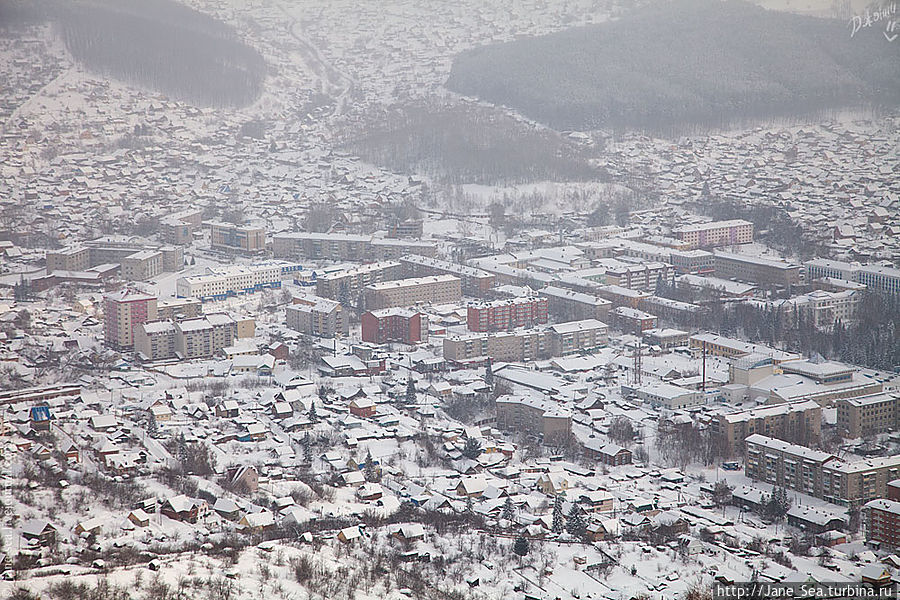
column 685, row 64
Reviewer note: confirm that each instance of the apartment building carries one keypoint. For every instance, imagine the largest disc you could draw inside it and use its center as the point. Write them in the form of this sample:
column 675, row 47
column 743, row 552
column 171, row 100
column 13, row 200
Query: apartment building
column 716, row 233
column 475, row 282
column 224, row 282
column 518, row 346
column 534, row 417
column 394, row 325
column 878, row 278
column 821, row 308
column 764, row 272
column 641, row 276
column 793, row 422
column 881, row 520
column 142, row 265
column 578, row 336
column 241, row 238
column 503, row 315
column 634, row 321
column 348, row 283
column 569, row 305
column 123, row 312
column 203, row 337
column 865, row 416
column 319, row 317
column 178, row 228
column 178, row 309
column 846, row 483
column 73, row 258
column 434, row 289
column 155, row 340
column 717, row 345
column 341, row 247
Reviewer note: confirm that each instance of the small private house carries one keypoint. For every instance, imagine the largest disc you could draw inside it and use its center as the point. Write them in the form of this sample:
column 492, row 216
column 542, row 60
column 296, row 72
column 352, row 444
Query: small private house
column 40, row 418
column 89, row 526
column 363, row 408
column 369, row 492
column 256, row 522
column 409, row 532
column 349, row 534
column 42, row 531
column 72, row 453
column 596, row 501
column 182, row 508
column 103, row 423
column 472, row 487
column 227, row 509
column 244, row 479
column 227, row 409
column 139, row 517
column 553, row 483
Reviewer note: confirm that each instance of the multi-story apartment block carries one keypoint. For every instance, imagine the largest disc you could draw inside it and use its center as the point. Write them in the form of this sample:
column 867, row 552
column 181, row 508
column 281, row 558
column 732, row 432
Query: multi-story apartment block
column 569, row 305
column 503, row 315
column 123, row 312
column 820, row 308
column 633, row 320
column 761, row 271
column 534, row 417
column 641, row 276
column 178, row 309
column 319, row 317
column 394, row 325
column 224, row 282
column 155, row 341
column 73, row 258
column 346, row 284
column 819, row 474
column 793, row 422
column 475, row 282
column 868, row 415
column 717, row 233
column 881, row 279
column 521, row 346
column 242, row 238
column 435, row 289
column 881, row 520
column 203, row 337
column 578, row 336
column 142, row 265
column 340, row 247
column 717, row 345
column 178, row 228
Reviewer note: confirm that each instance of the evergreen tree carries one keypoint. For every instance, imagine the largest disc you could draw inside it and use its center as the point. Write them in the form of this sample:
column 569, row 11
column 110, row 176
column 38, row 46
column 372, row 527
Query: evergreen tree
column 575, row 522
column 371, row 473
column 489, row 374
column 152, row 427
column 182, row 449
column 313, row 417
column 410, row 390
column 472, row 449
column 469, row 506
column 521, row 546
column 558, row 521
column 508, row 510
column 307, row 448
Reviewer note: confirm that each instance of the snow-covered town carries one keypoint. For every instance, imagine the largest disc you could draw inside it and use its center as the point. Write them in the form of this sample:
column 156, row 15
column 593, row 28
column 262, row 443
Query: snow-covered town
column 321, row 343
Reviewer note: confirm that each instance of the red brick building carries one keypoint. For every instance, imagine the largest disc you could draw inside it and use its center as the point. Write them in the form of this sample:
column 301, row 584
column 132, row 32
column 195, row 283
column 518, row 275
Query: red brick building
column 503, row 315
column 882, row 519
column 394, row 325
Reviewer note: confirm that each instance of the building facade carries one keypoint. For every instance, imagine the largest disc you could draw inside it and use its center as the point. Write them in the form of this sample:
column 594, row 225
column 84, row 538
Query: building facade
column 794, row 422
column 569, row 305
column 394, row 325
column 435, row 289
column 503, row 315
column 475, row 282
column 534, row 417
column 717, row 233
column 348, row 283
column 123, row 312
column 340, row 247
column 241, row 238
column 318, row 317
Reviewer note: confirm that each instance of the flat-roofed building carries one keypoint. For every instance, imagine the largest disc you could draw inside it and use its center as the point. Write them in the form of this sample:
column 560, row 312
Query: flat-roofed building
column 142, row 265
column 578, row 336
column 177, row 309
column 123, row 312
column 475, row 281
column 820, row 308
column 242, row 238
column 224, row 282
column 670, row 396
column 339, row 246
column 400, row 325
column 502, row 315
column 633, row 320
column 866, row 416
column 666, row 339
column 155, row 341
column 570, row 305
column 794, row 422
column 534, row 417
column 721, row 287
column 519, row 346
column 319, row 317
column 73, row 258
column 347, row 284
column 766, row 272
column 435, row 289
column 881, row 519
column 717, row 345
column 716, row 233
column 878, row 278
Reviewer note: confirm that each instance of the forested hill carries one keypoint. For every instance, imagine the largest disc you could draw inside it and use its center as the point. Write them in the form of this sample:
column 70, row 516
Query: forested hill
column 686, row 64
column 159, row 44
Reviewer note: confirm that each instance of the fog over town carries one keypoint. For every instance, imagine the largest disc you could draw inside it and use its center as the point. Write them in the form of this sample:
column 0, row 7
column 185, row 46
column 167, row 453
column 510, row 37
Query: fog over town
column 429, row 300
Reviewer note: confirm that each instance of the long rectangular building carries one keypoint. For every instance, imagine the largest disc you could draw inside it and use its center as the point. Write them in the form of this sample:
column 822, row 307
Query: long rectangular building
column 761, row 271
column 502, row 315
column 794, row 422
column 224, row 282
column 242, row 238
column 346, row 284
column 340, row 247
column 569, row 305
column 475, row 282
column 869, row 415
column 716, row 233
column 435, row 289
column 878, row 278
